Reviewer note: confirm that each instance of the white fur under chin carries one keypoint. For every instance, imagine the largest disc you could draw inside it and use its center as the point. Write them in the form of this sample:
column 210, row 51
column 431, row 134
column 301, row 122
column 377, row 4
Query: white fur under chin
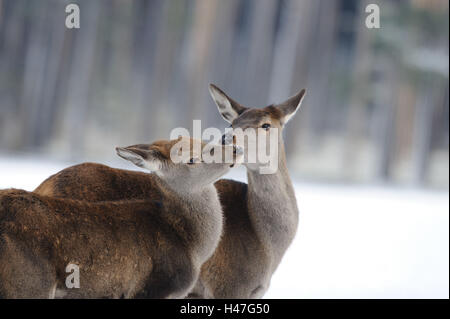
column 153, row 166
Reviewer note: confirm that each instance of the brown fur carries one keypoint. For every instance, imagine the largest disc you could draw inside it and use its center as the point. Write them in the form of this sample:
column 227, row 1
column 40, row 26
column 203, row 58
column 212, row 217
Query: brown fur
column 96, row 182
column 239, row 252
column 118, row 247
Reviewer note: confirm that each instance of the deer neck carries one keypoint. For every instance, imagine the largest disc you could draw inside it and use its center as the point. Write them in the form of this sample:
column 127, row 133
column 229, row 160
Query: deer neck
column 273, row 207
column 202, row 210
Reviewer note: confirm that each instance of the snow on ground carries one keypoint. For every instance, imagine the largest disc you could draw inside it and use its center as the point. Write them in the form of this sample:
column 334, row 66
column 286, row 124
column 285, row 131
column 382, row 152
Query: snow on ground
column 352, row 241
column 366, row 242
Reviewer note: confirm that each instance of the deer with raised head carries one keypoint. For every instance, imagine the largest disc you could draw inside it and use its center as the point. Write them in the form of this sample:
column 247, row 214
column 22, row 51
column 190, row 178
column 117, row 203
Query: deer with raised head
column 260, row 228
column 260, row 219
column 152, row 247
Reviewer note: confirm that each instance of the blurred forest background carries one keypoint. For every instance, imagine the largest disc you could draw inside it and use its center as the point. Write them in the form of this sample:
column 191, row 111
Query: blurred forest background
column 377, row 108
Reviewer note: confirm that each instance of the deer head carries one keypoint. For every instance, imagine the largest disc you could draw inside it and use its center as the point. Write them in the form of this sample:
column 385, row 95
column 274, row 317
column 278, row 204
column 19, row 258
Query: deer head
column 265, row 123
column 181, row 162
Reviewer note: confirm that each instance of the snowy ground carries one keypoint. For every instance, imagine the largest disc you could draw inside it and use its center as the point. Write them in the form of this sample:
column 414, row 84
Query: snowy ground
column 352, row 242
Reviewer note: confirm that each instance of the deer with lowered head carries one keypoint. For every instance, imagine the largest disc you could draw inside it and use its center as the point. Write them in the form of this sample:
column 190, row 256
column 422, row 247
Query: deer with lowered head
column 152, row 247
column 260, row 219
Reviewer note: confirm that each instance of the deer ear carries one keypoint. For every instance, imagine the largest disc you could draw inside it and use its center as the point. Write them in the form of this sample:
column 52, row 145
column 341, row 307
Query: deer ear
column 141, row 156
column 228, row 108
column 291, row 106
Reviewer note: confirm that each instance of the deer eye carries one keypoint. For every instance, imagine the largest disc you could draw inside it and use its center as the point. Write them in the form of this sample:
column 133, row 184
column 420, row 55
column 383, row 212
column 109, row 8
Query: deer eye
column 266, row 126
